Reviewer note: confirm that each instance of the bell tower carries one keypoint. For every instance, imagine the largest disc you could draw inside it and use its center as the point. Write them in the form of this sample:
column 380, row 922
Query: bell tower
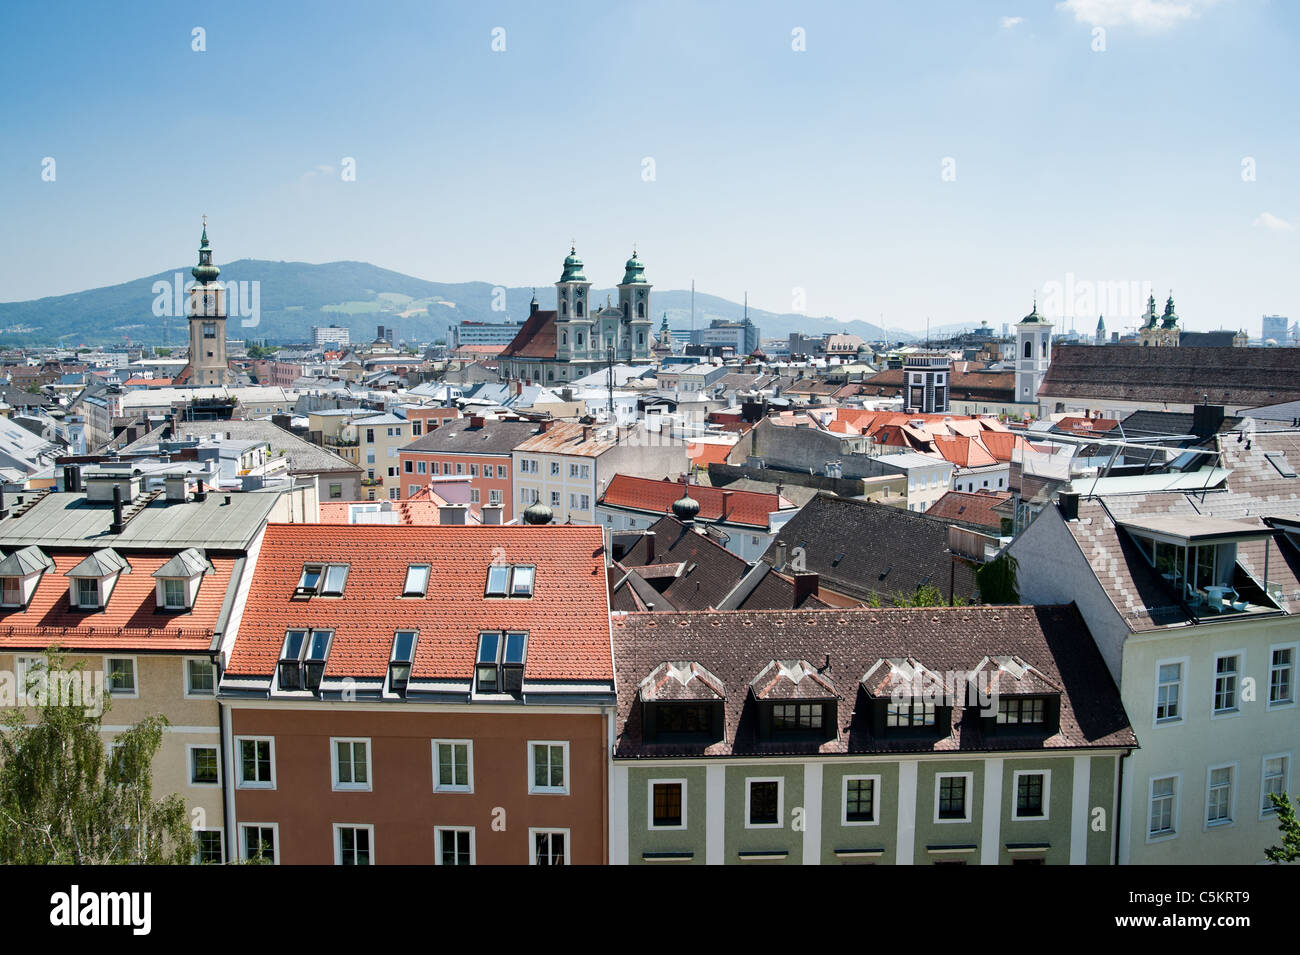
column 207, row 318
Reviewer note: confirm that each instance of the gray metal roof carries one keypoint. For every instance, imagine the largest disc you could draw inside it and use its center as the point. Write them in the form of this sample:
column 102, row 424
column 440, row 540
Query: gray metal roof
column 20, row 563
column 188, row 563
column 67, row 519
column 304, row 457
column 100, row 563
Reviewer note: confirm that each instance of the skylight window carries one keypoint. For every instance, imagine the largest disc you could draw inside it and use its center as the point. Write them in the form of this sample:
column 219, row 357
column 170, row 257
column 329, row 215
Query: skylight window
column 510, row 580
column 417, row 580
column 302, row 661
column 325, row 580
column 399, row 667
column 499, row 667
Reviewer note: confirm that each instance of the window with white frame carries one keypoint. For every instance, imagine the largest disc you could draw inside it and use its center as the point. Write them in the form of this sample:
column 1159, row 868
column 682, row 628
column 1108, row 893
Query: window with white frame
column 119, row 675
column 204, row 765
column 175, row 593
column 763, row 802
column 1281, row 675
column 1033, row 790
column 1169, row 691
column 351, row 763
column 494, row 497
column 548, row 766
column 256, row 761
column 952, row 797
column 1218, row 795
column 666, row 803
column 200, row 677
column 1162, row 817
column 455, row 846
column 211, row 847
column 1275, row 781
column 1225, row 683
column 859, row 802
column 417, row 580
column 257, row 841
column 548, row 846
column 353, row 844
column 453, row 766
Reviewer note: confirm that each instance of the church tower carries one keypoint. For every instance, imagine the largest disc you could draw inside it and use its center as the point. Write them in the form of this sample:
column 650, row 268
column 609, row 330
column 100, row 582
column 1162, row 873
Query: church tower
column 1100, row 338
column 1033, row 355
column 207, row 319
column 572, row 314
column 634, row 339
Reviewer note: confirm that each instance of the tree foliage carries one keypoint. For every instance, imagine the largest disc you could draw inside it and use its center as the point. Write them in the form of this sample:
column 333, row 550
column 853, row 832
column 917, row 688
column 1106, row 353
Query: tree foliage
column 64, row 800
column 1289, row 850
column 998, row 580
column 927, row 595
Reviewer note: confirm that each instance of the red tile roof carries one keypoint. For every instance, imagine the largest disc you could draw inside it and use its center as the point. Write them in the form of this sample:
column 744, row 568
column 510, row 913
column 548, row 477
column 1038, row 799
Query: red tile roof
column 702, row 455
column 646, row 494
column 567, row 617
column 130, row 621
column 969, row 508
column 535, row 340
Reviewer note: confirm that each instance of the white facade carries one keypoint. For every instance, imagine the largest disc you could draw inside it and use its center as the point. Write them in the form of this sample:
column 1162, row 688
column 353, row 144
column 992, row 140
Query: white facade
column 1033, row 355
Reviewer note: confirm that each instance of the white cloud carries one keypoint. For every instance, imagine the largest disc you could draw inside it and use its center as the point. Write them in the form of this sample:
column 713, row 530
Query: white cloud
column 317, row 172
column 1144, row 14
column 1266, row 220
column 1009, row 22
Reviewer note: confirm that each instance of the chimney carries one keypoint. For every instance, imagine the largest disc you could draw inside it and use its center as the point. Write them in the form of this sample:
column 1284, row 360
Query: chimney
column 805, row 586
column 586, row 433
column 118, row 525
column 4, row 511
column 475, row 421
column 544, row 426
column 650, row 546
column 176, row 485
column 726, row 504
column 780, row 555
column 492, row 513
column 452, row 513
column 1206, row 420
column 1068, row 504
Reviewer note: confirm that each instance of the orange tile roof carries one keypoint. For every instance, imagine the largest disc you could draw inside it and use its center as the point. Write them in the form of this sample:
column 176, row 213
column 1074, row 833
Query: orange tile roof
column 646, row 494
column 963, row 451
column 969, row 508
column 566, row 437
column 702, row 455
column 420, row 509
column 567, row 617
column 130, row 621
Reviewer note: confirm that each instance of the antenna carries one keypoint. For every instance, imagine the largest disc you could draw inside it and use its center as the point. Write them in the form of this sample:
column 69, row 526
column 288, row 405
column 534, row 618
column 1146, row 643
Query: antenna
column 692, row 308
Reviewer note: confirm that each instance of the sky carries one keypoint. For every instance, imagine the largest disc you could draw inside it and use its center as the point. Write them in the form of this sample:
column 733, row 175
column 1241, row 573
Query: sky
column 895, row 162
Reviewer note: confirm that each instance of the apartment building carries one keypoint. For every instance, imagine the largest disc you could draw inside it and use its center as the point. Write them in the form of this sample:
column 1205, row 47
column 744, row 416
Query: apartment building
column 567, row 466
column 421, row 695
column 380, row 439
column 982, row 736
column 140, row 590
column 1191, row 598
column 475, row 447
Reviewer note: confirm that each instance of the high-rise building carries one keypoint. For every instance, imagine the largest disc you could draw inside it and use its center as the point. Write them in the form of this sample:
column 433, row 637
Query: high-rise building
column 335, row 336
column 1276, row 327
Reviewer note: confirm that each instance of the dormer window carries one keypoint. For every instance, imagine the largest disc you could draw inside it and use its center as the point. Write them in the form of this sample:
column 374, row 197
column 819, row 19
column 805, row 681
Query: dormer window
column 20, row 573
column 794, row 699
column 510, row 580
column 91, row 582
column 1021, row 709
column 302, row 661
column 906, row 699
column 499, row 667
column 399, row 666
column 178, row 579
column 417, row 580
column 323, row 580
column 909, row 713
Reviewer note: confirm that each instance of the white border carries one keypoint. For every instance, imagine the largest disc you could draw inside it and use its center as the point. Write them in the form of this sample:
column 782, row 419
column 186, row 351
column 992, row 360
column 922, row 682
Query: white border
column 189, row 765
column 1295, row 667
column 844, row 800
column 185, row 679
column 780, row 802
column 547, row 790
column 275, row 839
column 968, row 802
column 1214, row 679
column 469, row 764
column 1271, row 813
column 650, row 805
column 1176, row 817
column 338, row 845
column 437, row 843
column 135, row 676
column 337, row 786
column 532, row 844
column 1186, row 664
column 240, row 782
column 220, row 831
column 1234, row 784
column 1015, row 794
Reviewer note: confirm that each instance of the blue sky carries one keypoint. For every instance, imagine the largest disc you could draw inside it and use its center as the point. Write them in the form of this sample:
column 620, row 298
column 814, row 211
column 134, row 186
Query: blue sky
column 774, row 169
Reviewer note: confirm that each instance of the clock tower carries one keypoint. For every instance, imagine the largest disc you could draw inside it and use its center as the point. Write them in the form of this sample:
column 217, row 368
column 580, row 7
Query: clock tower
column 207, row 315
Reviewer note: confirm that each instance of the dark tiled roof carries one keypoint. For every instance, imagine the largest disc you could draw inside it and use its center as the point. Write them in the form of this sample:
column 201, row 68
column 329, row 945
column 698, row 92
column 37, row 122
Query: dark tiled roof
column 709, row 574
column 458, row 436
column 861, row 548
column 535, row 340
column 961, row 507
column 1145, row 423
column 1229, row 376
column 737, row 646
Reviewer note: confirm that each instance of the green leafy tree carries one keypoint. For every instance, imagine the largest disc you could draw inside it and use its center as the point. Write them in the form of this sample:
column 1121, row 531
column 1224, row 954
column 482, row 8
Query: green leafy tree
column 162, row 352
column 1289, row 850
column 998, row 580
column 64, row 800
column 927, row 595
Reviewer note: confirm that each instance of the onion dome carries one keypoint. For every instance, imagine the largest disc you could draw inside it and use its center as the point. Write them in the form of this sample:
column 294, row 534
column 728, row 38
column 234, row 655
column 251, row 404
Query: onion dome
column 633, row 271
column 1033, row 318
column 1170, row 318
column 537, row 513
column 205, row 271
column 572, row 267
column 685, row 508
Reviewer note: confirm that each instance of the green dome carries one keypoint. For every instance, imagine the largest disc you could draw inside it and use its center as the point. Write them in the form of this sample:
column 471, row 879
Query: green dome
column 633, row 271
column 537, row 513
column 1170, row 318
column 685, row 508
column 572, row 267
column 205, row 271
column 1033, row 318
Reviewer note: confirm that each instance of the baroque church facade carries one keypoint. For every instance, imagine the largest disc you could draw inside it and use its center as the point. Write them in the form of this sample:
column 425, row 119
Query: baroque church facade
column 579, row 337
